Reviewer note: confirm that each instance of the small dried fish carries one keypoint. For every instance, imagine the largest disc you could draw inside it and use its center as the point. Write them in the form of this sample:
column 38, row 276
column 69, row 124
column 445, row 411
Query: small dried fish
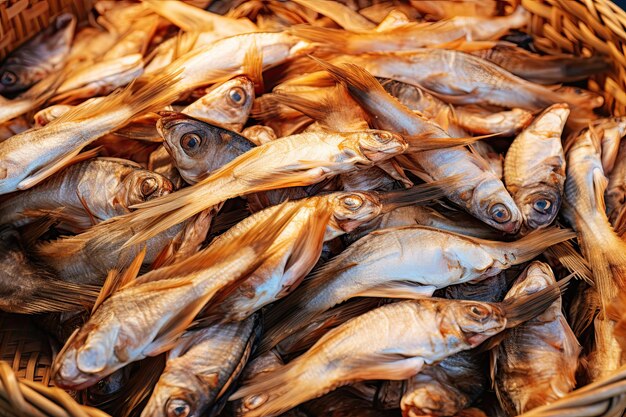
column 543, row 350
column 38, row 58
column 407, row 262
column 120, row 184
column 483, row 194
column 415, row 35
column 198, row 148
column 534, row 168
column 424, row 331
column 201, row 369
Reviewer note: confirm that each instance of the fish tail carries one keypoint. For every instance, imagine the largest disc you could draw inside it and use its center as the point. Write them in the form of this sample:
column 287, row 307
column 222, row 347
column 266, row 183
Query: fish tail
column 422, row 193
column 607, row 258
column 521, row 309
column 574, row 262
column 534, row 243
column 371, row 95
column 281, row 389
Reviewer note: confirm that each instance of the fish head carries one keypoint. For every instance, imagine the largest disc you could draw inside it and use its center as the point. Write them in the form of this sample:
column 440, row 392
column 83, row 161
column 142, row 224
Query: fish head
column 17, row 77
column 539, row 205
column 89, row 355
column 198, row 148
column 228, row 104
column 379, row 145
column 141, row 185
column 496, row 206
column 180, row 393
column 477, row 321
column 350, row 210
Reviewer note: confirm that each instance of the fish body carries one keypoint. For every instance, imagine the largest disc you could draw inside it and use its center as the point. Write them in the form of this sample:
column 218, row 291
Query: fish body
column 88, row 192
column 30, row 157
column 585, row 186
column 407, row 262
column 100, row 78
column 368, row 347
column 39, row 57
column 202, row 366
column 543, row 350
column 534, row 168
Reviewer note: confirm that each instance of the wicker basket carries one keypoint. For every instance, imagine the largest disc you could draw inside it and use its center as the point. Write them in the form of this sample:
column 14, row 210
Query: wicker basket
column 20, row 20
column 579, row 27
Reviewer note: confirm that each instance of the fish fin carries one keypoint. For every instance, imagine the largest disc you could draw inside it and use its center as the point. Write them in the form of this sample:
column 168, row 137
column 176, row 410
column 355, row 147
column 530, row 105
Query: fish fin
column 395, row 171
column 117, row 280
column 60, row 296
column 253, row 67
column 339, row 13
column 139, row 386
column 195, row 19
column 565, row 253
column 480, row 160
column 165, row 255
column 50, row 169
column 391, row 365
column 334, row 109
column 267, row 107
column 83, row 203
column 152, row 96
column 532, row 244
column 336, row 39
column 307, row 249
column 398, row 289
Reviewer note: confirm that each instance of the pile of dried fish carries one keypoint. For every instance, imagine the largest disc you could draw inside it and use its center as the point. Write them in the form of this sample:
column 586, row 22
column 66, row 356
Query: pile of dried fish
column 314, row 208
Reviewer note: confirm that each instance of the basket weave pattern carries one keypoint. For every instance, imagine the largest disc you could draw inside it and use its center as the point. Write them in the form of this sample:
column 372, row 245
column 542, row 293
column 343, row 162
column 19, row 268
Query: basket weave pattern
column 20, row 20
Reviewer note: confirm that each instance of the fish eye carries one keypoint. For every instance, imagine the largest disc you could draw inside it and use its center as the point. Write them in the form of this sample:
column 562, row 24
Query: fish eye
column 542, row 206
column 8, row 78
column 237, row 95
column 478, row 312
column 352, row 202
column 149, row 186
column 190, row 142
column 499, row 213
column 384, row 137
column 177, row 408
